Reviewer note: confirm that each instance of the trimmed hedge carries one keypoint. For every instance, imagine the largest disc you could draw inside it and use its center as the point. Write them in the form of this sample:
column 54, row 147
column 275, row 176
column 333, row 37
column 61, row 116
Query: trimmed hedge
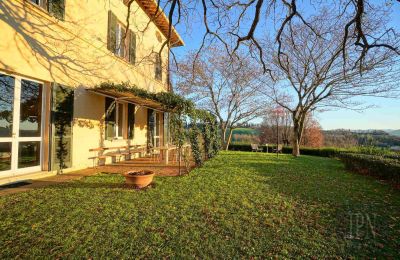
column 377, row 166
column 324, row 152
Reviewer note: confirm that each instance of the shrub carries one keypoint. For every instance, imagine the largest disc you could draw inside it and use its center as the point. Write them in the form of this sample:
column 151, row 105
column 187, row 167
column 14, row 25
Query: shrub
column 378, row 166
column 194, row 134
column 324, row 152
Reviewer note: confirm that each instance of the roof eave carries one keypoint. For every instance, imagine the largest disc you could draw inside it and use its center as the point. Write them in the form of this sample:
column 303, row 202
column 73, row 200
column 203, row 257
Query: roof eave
column 159, row 18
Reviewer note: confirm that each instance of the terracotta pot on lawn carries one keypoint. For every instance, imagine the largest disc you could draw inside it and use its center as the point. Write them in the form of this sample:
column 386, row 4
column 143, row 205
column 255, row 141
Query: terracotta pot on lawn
column 139, row 179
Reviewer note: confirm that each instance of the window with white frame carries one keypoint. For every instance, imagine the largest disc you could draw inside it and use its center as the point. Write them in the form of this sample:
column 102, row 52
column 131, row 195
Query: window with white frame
column 120, row 40
column 54, row 7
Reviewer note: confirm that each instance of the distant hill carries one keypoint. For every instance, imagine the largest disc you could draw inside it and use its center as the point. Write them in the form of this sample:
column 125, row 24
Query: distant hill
column 394, row 132
column 343, row 137
column 245, row 135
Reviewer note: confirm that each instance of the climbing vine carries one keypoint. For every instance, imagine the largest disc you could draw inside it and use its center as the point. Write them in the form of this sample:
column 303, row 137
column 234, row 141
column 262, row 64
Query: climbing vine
column 194, row 135
column 215, row 137
column 203, row 125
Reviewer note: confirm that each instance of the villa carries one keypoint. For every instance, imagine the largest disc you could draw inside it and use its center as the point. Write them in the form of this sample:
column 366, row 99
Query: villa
column 53, row 54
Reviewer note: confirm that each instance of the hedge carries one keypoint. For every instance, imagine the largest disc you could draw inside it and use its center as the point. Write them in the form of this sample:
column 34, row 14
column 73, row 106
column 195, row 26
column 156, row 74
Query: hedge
column 377, row 166
column 324, row 152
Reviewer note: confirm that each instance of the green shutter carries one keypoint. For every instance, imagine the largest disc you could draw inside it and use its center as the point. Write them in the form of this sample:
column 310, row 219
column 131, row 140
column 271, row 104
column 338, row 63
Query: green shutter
column 62, row 113
column 109, row 111
column 150, row 127
column 131, row 121
column 111, row 38
column 132, row 47
column 56, row 8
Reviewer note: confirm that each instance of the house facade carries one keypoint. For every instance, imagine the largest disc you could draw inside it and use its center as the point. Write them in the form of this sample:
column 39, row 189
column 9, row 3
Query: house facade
column 53, row 54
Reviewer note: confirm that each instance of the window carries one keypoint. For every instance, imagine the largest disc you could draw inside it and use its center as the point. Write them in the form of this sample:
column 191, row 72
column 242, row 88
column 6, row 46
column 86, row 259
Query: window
column 54, row 7
column 114, row 119
column 38, row 2
column 120, row 40
column 119, row 44
column 31, row 109
column 158, row 68
column 153, row 128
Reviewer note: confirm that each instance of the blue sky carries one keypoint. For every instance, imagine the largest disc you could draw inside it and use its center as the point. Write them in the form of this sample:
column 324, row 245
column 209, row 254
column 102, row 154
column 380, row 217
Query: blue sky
column 384, row 115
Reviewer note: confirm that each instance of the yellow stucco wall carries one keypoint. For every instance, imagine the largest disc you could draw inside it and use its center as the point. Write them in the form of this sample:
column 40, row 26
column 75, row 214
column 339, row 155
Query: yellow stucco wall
column 74, row 53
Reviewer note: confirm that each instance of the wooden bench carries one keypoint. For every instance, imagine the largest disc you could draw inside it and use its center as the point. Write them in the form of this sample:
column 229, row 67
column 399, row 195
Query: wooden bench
column 140, row 149
column 116, row 152
column 97, row 157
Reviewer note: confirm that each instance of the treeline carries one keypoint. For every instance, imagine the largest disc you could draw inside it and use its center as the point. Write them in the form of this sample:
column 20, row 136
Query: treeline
column 348, row 138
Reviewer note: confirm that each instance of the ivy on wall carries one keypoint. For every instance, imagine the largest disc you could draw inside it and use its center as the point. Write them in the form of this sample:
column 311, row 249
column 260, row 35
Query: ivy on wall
column 202, row 124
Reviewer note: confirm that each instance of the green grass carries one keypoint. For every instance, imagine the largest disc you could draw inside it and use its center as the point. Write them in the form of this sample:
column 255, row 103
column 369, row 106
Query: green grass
column 237, row 205
column 246, row 131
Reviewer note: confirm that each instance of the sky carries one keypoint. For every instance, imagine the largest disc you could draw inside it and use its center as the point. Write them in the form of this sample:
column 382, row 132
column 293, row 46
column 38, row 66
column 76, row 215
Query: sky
column 385, row 113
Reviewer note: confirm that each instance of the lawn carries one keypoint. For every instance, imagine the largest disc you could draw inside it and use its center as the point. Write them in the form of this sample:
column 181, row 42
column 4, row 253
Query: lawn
column 237, row 205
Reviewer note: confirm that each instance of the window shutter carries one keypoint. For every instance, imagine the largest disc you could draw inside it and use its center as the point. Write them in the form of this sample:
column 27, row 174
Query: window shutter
column 111, row 35
column 109, row 118
column 132, row 47
column 131, row 121
column 62, row 114
column 56, row 8
column 150, row 127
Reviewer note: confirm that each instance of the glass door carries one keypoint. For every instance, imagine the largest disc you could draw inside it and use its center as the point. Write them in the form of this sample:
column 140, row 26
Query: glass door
column 20, row 125
column 7, row 87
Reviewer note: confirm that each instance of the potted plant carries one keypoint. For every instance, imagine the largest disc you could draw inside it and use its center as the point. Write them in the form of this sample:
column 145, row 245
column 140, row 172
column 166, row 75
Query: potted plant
column 139, row 179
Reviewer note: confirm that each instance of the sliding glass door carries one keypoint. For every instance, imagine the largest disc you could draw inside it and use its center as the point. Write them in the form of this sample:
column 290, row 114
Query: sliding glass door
column 20, row 125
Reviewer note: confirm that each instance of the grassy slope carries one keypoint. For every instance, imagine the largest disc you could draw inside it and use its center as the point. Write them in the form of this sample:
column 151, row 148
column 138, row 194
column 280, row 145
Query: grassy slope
column 248, row 204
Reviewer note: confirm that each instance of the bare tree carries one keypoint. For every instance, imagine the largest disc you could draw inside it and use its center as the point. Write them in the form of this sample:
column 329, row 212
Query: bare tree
column 276, row 124
column 239, row 24
column 228, row 88
column 313, row 74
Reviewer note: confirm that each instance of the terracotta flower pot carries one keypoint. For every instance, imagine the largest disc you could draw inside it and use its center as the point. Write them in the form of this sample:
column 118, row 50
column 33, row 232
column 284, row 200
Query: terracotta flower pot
column 139, row 179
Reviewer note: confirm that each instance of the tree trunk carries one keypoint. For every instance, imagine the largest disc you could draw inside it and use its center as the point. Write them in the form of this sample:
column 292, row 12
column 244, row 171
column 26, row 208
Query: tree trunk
column 229, row 139
column 223, row 135
column 296, row 146
column 298, row 125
